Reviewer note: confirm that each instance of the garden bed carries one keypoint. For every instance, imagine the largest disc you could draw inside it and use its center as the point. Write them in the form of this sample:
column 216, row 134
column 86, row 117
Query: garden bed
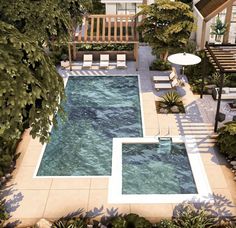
column 164, row 109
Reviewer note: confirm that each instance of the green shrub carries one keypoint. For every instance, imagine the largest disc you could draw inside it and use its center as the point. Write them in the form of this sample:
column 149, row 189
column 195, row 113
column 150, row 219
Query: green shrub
column 3, row 213
column 194, row 73
column 171, row 98
column 7, row 155
column 130, row 221
column 98, row 7
column 160, row 65
column 105, row 47
column 216, row 78
column 226, row 140
column 187, row 216
column 70, row 223
column 58, row 53
column 191, row 47
column 165, row 224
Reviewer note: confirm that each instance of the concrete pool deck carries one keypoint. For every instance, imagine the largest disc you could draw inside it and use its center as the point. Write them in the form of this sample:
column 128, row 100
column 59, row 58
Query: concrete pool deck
column 30, row 199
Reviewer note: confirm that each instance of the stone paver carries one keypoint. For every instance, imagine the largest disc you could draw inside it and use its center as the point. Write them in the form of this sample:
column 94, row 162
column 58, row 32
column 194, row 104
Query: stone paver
column 31, row 198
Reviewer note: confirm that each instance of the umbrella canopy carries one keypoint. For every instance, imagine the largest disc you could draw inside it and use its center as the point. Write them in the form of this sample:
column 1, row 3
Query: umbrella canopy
column 184, row 59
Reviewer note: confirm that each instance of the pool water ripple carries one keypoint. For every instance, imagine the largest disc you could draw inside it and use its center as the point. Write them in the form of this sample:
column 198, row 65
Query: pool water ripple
column 98, row 108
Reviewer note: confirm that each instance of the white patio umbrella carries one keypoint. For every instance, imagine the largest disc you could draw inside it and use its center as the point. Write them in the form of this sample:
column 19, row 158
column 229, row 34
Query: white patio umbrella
column 184, row 59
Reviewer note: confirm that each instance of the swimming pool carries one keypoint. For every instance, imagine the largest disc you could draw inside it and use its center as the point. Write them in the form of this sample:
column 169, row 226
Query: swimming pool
column 157, row 170
column 98, row 109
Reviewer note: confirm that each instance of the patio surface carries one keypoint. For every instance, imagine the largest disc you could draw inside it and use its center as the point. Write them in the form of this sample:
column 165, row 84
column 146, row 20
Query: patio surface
column 30, row 199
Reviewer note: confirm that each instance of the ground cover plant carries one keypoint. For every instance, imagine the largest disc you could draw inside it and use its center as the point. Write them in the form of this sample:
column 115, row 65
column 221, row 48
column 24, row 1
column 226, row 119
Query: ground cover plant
column 185, row 215
column 160, row 65
column 3, row 213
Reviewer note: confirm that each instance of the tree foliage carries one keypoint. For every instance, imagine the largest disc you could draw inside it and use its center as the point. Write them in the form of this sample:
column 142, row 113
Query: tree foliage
column 226, row 140
column 30, row 87
column 98, row 7
column 166, row 25
column 44, row 20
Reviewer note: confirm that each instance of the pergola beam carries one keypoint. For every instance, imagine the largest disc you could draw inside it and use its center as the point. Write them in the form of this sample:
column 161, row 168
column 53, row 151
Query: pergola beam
column 124, row 24
column 223, row 58
column 106, row 29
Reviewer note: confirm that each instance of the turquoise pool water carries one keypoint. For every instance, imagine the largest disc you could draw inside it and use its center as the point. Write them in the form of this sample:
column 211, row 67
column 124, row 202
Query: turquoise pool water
column 153, row 168
column 98, row 109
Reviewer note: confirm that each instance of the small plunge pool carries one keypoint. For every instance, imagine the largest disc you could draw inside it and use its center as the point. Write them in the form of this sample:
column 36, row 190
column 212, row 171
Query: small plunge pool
column 157, row 170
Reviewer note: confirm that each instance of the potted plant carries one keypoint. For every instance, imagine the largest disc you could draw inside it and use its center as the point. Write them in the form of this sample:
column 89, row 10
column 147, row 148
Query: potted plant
column 218, row 29
column 64, row 61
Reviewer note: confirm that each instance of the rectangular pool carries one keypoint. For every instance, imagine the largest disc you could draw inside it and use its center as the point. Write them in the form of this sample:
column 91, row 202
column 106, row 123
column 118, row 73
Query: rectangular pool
column 98, row 109
column 157, row 170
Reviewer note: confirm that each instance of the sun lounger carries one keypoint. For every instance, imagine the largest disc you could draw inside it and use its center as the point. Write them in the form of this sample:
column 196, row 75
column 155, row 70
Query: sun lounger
column 88, row 61
column 167, row 85
column 165, row 78
column 104, row 60
column 121, row 61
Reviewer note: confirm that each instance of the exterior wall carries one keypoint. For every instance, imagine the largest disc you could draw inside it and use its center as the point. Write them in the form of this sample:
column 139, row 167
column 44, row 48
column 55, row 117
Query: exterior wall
column 198, row 33
column 111, row 8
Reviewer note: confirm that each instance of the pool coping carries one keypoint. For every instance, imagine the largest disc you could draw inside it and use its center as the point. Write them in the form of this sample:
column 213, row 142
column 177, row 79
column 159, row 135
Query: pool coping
column 197, row 167
column 50, row 129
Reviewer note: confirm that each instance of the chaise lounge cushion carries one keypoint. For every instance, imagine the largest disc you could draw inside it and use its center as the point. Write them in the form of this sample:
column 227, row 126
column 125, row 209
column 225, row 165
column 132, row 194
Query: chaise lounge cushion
column 227, row 93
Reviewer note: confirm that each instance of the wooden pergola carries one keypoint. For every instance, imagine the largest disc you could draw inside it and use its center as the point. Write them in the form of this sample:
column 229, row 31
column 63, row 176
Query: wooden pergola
column 223, row 58
column 106, row 29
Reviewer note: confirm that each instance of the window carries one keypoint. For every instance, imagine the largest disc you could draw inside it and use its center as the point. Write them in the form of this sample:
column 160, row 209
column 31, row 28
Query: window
column 233, row 19
column 125, row 8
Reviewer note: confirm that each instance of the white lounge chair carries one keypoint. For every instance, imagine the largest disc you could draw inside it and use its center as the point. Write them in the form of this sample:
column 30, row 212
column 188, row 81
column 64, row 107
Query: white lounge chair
column 104, row 60
column 168, row 85
column 165, row 78
column 121, row 61
column 88, row 61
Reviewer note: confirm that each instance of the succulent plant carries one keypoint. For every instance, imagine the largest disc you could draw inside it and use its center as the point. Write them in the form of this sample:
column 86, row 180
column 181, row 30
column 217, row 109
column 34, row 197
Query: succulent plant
column 171, row 98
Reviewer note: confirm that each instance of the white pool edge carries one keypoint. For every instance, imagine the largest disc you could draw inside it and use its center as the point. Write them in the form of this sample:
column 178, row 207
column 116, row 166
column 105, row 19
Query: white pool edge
column 197, row 167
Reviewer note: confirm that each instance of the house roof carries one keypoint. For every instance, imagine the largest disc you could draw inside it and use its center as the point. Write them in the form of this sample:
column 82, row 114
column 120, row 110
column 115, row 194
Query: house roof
column 210, row 8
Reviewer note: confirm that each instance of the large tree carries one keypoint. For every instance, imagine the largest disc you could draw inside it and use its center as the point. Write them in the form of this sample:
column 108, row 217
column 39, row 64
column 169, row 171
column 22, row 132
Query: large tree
column 44, row 20
column 30, row 87
column 166, row 25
